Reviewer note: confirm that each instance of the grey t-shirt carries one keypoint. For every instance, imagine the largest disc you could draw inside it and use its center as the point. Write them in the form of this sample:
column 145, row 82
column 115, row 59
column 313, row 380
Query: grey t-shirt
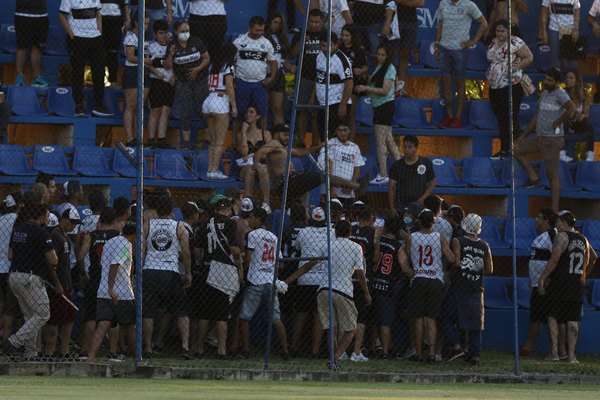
column 456, row 22
column 551, row 107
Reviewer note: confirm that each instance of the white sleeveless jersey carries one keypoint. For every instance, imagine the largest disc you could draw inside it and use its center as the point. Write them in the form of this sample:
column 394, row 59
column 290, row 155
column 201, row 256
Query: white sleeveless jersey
column 162, row 245
column 426, row 255
column 262, row 263
column 217, row 81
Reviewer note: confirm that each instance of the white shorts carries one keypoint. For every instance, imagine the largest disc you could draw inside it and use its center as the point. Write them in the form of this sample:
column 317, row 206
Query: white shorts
column 216, row 103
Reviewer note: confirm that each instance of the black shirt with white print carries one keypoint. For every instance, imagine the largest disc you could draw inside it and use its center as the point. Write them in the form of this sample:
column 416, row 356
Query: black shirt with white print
column 186, row 58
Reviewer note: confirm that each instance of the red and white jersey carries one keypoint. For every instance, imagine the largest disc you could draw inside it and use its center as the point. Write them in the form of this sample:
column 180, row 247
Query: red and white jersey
column 426, row 255
column 217, row 81
column 262, row 263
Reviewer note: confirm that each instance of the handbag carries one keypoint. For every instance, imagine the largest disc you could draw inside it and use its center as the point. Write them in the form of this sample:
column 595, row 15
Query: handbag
column 573, row 51
column 527, row 85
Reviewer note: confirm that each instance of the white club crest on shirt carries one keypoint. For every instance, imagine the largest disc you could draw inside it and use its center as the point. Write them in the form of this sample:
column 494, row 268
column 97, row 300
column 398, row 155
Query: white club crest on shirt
column 421, row 169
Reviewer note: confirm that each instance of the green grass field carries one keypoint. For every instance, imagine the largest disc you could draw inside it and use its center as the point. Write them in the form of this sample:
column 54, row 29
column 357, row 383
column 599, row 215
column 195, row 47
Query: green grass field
column 19, row 387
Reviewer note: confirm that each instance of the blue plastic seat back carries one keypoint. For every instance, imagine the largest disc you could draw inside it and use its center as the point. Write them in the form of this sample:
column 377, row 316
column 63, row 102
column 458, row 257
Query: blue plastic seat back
column 171, row 164
column 8, row 39
column 51, row 160
column 588, row 175
column 24, row 101
column 445, row 173
column 525, row 232
column 14, row 161
column 541, row 58
column 595, row 298
column 60, row 101
column 56, row 45
column 110, row 101
column 438, row 113
column 478, row 58
column 410, row 113
column 594, row 118
column 364, row 111
column 426, row 51
column 526, row 112
column 496, row 292
column 523, row 293
column 491, row 228
column 123, row 167
column 200, row 164
column 478, row 171
column 566, row 179
column 482, row 115
column 520, row 173
column 591, row 230
column 90, row 161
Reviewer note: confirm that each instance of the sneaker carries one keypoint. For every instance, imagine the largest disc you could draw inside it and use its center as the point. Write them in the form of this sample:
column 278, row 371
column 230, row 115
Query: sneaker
column 101, row 111
column 445, row 123
column 79, row 111
column 454, row 354
column 220, row 175
column 564, row 157
column 40, row 82
column 116, row 358
column 10, row 350
column 531, row 183
column 408, row 353
column 20, row 81
column 380, row 180
column 360, row 357
column 335, row 367
column 551, row 357
column 456, row 123
column 589, row 156
column 344, row 357
column 524, row 352
column 573, row 361
column 474, row 361
column 82, row 356
column 432, row 359
column 188, row 355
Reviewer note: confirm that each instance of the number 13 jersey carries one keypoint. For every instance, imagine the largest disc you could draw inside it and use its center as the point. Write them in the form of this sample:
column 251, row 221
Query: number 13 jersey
column 426, row 255
column 262, row 264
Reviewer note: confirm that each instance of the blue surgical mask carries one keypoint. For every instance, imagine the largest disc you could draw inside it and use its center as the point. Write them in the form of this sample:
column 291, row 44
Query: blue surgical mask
column 407, row 220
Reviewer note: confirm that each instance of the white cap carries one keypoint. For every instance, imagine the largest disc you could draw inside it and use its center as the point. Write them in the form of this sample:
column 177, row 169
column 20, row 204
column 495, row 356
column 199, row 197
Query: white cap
column 471, row 224
column 247, row 204
column 52, row 220
column 318, row 214
column 72, row 214
column 9, row 201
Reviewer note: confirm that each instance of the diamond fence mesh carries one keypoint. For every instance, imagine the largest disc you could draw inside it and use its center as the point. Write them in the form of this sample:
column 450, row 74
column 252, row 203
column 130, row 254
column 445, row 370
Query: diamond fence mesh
column 293, row 178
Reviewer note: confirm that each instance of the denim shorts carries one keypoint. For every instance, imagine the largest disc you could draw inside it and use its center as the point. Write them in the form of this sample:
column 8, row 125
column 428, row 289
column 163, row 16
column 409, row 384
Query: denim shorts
column 453, row 62
column 254, row 296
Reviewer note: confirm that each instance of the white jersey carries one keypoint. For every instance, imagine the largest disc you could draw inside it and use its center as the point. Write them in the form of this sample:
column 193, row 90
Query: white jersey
column 81, row 17
column 340, row 70
column 217, row 81
column 394, row 27
column 112, row 8
column 561, row 13
column 337, row 8
column 131, row 40
column 426, row 255
column 310, row 242
column 162, row 245
column 262, row 264
column 541, row 250
column 117, row 250
column 344, row 158
column 7, row 221
column 158, row 53
column 346, row 257
column 252, row 57
column 207, row 7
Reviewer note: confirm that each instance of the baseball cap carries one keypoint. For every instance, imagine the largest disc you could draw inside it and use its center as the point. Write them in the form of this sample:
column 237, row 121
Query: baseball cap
column 219, row 200
column 471, row 224
column 248, row 205
column 52, row 220
column 413, row 208
column 567, row 216
column 281, row 128
column 71, row 187
column 9, row 201
column 72, row 215
column 336, row 205
column 318, row 214
column 456, row 212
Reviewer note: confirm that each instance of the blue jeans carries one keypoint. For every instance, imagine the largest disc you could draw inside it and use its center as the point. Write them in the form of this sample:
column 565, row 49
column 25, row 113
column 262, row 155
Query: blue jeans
column 555, row 60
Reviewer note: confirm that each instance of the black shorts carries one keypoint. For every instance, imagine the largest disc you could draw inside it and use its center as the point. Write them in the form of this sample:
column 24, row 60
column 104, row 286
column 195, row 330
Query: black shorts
column 161, row 93
column 564, row 311
column 538, row 307
column 89, row 305
column 425, row 298
column 303, row 298
column 122, row 313
column 31, row 31
column 130, row 78
column 163, row 290
column 215, row 306
column 299, row 183
column 3, row 288
column 112, row 34
column 408, row 35
column 384, row 114
column 279, row 83
column 385, row 304
column 366, row 313
column 61, row 312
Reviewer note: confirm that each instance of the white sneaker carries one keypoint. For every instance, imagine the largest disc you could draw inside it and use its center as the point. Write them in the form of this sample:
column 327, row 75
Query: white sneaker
column 564, row 157
column 220, row 175
column 380, row 180
column 409, row 353
column 589, row 156
column 358, row 357
column 344, row 357
column 210, row 175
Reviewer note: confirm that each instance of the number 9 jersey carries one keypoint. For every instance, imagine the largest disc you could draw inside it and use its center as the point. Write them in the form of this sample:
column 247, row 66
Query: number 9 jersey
column 386, row 271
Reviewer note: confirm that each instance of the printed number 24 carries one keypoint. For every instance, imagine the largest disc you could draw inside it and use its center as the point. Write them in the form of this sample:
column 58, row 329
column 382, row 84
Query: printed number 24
column 268, row 253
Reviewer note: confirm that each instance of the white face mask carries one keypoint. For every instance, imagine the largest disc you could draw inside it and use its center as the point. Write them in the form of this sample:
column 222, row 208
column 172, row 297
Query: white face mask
column 184, row 36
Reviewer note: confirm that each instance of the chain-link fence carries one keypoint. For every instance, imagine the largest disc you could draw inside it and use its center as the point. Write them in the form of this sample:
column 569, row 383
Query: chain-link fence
column 352, row 191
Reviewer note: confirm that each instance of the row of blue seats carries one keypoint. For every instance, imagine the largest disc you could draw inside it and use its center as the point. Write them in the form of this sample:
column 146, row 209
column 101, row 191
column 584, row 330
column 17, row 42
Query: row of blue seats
column 499, row 293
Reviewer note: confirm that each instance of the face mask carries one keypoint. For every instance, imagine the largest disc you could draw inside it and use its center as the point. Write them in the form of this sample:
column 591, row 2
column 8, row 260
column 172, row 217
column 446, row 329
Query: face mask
column 407, row 220
column 184, row 36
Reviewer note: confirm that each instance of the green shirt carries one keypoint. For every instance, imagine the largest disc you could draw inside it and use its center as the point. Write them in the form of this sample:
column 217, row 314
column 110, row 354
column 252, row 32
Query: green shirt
column 377, row 100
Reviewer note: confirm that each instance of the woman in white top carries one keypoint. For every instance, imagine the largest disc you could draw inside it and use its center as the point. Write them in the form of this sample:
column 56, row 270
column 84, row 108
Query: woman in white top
column 218, row 105
column 580, row 122
column 497, row 76
column 558, row 18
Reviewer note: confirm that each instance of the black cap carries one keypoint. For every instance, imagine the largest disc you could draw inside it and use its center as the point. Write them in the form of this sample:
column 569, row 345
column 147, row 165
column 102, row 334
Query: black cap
column 281, row 128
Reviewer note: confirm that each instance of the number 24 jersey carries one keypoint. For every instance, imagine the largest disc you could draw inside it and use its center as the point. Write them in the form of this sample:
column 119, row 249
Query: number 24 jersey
column 262, row 263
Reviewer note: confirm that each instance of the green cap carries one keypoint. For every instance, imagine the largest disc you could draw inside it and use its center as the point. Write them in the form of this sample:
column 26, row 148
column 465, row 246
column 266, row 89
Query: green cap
column 220, row 200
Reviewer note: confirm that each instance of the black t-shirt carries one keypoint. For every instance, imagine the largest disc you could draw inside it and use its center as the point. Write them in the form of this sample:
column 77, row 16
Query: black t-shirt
column 312, row 48
column 30, row 243
column 290, row 250
column 567, row 281
column 365, row 236
column 368, row 13
column 406, row 14
column 358, row 59
column 186, row 58
column 33, row 7
column 387, row 270
column 215, row 239
column 411, row 180
column 150, row 4
column 98, row 239
column 469, row 277
column 63, row 251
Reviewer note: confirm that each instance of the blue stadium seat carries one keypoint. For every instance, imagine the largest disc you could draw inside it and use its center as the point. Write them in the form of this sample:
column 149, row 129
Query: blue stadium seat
column 525, row 232
column 90, row 161
column 526, row 112
column 595, row 298
column 588, row 175
column 478, row 58
column 410, row 113
column 541, row 57
column 478, row 171
column 14, row 161
column 51, row 160
column 495, row 293
column 566, row 179
column 56, row 45
column 490, row 232
column 591, row 230
column 520, row 173
column 587, row 296
column 274, row 220
column 201, row 167
column 438, row 113
column 24, row 101
column 523, row 293
column 171, row 164
column 110, row 101
column 482, row 115
column 445, row 173
column 123, row 167
column 364, row 111
column 426, row 51
column 8, row 39
column 60, row 101
column 594, row 118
